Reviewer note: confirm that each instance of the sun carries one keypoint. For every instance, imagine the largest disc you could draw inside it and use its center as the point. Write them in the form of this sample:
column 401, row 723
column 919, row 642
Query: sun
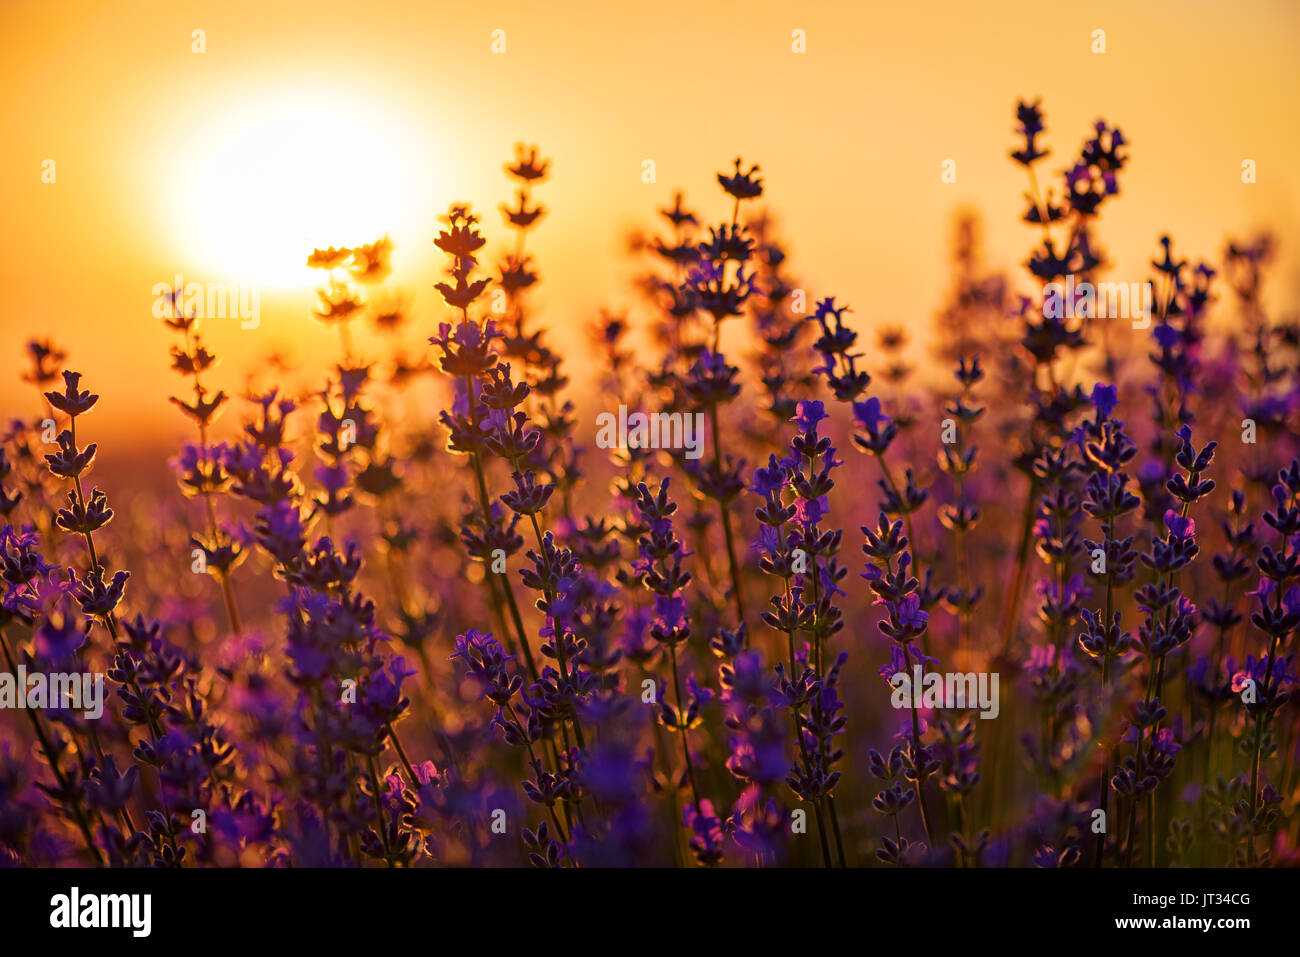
column 274, row 178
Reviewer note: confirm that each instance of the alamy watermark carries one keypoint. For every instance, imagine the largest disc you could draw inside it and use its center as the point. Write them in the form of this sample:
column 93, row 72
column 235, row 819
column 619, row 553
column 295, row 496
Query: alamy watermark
column 71, row 691
column 74, row 910
column 208, row 300
column 1104, row 300
column 951, row 690
column 651, row 430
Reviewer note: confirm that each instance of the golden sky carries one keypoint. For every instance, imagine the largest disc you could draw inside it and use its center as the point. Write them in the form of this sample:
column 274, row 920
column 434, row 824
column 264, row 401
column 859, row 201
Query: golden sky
column 308, row 124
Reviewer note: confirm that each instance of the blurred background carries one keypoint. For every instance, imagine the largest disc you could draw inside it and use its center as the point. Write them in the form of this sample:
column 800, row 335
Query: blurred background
column 310, row 124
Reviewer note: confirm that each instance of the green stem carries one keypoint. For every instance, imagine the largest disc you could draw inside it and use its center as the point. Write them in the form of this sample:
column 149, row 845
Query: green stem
column 732, row 564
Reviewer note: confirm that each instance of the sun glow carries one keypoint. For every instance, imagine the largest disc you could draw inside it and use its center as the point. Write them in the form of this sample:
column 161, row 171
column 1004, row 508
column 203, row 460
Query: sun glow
column 275, row 179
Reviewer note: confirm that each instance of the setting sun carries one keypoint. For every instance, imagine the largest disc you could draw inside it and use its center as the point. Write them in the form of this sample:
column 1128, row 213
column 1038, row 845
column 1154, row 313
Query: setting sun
column 275, row 178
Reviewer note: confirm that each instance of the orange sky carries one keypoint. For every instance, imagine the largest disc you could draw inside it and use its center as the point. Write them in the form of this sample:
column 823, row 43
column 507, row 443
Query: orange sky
column 314, row 123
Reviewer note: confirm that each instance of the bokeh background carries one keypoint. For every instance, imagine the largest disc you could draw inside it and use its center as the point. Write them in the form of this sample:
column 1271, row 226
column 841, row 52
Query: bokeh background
column 309, row 124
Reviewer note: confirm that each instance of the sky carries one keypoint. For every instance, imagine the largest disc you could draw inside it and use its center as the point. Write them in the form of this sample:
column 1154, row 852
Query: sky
column 310, row 124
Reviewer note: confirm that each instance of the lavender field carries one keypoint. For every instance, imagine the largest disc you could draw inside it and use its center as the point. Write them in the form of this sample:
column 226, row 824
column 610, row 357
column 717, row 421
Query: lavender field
column 740, row 582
